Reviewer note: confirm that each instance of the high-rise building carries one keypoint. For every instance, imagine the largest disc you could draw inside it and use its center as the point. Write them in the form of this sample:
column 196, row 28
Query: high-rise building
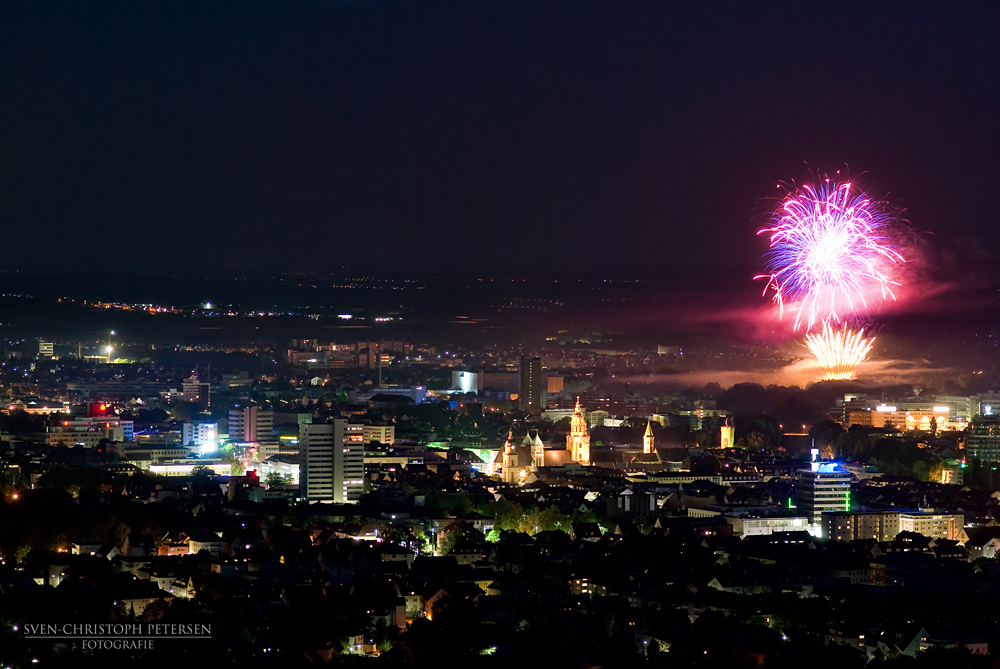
column 824, row 486
column 251, row 425
column 983, row 438
column 578, row 439
column 194, row 390
column 985, row 404
column 532, row 383
column 334, row 461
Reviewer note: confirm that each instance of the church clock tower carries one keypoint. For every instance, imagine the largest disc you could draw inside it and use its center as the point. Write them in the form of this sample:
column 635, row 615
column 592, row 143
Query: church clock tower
column 578, row 439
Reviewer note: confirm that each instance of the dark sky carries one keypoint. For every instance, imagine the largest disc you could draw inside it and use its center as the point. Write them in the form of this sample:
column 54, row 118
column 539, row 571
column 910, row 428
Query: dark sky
column 508, row 136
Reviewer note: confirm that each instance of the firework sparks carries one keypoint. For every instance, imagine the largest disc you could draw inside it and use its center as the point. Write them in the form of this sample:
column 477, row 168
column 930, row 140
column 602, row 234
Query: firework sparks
column 839, row 352
column 830, row 257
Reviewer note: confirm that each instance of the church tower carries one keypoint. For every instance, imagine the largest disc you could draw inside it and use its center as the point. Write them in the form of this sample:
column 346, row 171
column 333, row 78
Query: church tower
column 727, row 434
column 509, row 474
column 578, row 439
column 537, row 453
column 647, row 439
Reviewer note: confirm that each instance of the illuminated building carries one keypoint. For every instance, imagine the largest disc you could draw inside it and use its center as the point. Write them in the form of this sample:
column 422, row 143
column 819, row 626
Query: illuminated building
column 46, row 350
column 507, row 461
column 983, row 438
column 383, row 434
column 647, row 439
column 848, row 526
column 144, row 455
column 193, row 390
column 203, row 435
column 88, row 432
column 537, row 451
column 745, row 525
column 824, row 486
column 251, row 425
column 334, row 461
column 289, row 466
column 416, row 393
column 925, row 420
column 727, row 434
column 885, row 525
column 530, row 391
column 930, row 523
column 597, row 417
column 518, row 462
column 39, row 407
column 465, row 382
column 186, row 468
column 984, row 404
column 578, row 439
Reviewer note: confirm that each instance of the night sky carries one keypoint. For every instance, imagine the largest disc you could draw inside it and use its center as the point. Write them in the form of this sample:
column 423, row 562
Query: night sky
column 503, row 137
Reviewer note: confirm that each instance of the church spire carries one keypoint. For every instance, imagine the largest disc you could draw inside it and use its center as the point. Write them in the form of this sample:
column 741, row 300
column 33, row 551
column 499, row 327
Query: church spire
column 647, row 439
column 578, row 439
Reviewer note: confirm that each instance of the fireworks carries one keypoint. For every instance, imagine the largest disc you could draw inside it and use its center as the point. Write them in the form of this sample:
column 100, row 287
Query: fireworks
column 839, row 352
column 830, row 257
column 831, row 261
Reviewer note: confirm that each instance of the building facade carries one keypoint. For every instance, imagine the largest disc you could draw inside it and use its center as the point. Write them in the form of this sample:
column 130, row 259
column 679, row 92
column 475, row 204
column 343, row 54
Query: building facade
column 983, row 438
column 205, row 436
column 823, row 487
column 253, row 425
column 384, row 434
column 334, row 461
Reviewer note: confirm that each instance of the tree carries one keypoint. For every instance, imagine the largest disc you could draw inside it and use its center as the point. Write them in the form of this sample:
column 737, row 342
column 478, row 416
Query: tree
column 448, row 541
column 273, row 478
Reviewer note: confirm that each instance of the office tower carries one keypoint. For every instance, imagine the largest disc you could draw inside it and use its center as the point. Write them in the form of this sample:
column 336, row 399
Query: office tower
column 532, row 383
column 334, row 461
column 825, row 486
column 251, row 425
column 983, row 437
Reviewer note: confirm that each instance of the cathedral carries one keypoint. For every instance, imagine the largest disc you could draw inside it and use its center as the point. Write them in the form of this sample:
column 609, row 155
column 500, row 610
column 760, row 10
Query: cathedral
column 518, row 462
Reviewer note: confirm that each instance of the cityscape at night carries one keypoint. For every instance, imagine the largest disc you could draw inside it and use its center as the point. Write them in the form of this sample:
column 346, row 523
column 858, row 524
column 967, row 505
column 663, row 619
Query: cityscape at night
column 518, row 334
